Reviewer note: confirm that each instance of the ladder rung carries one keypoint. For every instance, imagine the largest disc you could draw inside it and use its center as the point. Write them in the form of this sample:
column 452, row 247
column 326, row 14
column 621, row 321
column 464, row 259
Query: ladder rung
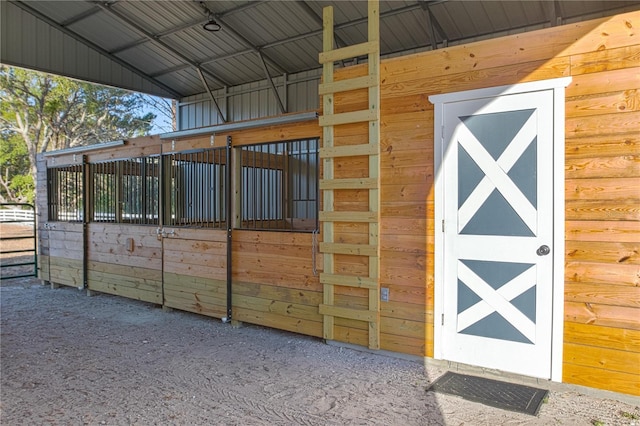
column 348, row 281
column 349, row 52
column 355, row 314
column 353, row 183
column 343, row 216
column 350, row 150
column 352, row 249
column 348, row 84
column 349, row 117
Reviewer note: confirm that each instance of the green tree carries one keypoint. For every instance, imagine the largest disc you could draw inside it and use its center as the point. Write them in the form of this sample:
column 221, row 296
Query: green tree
column 16, row 183
column 49, row 113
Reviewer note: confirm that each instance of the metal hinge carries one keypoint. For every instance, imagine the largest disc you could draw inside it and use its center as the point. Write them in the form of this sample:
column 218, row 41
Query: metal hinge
column 442, row 225
column 442, row 320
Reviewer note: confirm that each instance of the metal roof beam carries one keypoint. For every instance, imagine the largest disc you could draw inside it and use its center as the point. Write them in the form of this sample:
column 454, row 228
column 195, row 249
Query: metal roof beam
column 79, row 17
column 158, row 36
column 206, row 61
column 95, row 47
column 213, row 99
column 283, row 109
column 555, row 15
column 180, row 28
column 288, row 40
column 107, row 8
column 433, row 25
column 237, row 9
column 261, row 56
column 309, row 11
column 339, row 40
column 247, row 43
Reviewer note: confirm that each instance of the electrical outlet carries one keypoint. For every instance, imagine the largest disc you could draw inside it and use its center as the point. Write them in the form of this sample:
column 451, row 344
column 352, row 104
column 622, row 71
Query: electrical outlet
column 384, row 294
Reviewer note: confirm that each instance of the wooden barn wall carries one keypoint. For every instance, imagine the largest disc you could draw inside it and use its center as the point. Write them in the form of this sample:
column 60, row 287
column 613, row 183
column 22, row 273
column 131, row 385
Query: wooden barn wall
column 602, row 280
column 273, row 279
column 125, row 260
column 195, row 270
column 274, row 282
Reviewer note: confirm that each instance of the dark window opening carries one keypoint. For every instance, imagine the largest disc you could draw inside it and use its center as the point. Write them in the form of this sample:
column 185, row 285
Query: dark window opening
column 279, row 186
column 195, row 188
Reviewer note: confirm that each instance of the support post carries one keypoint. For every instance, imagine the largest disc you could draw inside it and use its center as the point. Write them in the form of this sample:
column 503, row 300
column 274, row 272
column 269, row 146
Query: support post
column 229, row 231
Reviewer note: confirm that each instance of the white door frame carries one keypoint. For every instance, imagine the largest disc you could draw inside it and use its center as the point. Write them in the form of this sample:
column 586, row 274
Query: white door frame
column 558, row 87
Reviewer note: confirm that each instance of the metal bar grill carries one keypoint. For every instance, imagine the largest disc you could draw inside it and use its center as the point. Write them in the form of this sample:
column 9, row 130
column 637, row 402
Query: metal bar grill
column 195, row 185
column 279, row 185
column 64, row 193
column 126, row 191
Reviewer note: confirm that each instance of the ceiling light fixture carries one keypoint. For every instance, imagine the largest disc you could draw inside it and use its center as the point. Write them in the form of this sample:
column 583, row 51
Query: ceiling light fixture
column 211, row 24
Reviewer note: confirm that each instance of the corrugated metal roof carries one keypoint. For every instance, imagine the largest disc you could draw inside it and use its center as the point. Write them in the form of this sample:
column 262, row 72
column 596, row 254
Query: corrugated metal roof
column 163, row 44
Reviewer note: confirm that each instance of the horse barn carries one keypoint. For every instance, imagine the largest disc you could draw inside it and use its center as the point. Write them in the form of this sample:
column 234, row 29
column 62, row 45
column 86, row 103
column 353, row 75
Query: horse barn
column 456, row 181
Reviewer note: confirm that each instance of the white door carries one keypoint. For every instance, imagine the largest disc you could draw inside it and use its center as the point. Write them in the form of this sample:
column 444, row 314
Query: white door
column 498, row 232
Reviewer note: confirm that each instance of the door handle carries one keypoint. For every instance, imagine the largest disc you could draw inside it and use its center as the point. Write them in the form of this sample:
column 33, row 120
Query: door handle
column 543, row 250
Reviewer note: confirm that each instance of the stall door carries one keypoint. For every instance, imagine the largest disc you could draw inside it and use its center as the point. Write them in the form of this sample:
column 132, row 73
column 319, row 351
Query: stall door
column 195, row 243
column 498, row 232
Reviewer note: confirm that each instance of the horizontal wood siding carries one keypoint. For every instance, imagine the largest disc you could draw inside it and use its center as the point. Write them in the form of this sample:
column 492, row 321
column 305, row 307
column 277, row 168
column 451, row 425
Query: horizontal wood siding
column 602, row 192
column 195, row 271
column 125, row 260
column 602, row 188
column 65, row 253
column 274, row 282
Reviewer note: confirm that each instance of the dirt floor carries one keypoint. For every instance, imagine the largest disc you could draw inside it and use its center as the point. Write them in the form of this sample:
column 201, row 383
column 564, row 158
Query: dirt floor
column 70, row 359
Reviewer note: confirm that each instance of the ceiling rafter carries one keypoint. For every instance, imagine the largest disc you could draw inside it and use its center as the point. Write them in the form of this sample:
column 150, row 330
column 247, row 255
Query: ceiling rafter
column 433, row 25
column 309, row 34
column 433, row 17
column 126, row 20
column 159, row 36
column 312, row 13
column 261, row 56
column 210, row 93
column 80, row 16
column 242, row 39
column 96, row 48
column 555, row 15
column 180, row 28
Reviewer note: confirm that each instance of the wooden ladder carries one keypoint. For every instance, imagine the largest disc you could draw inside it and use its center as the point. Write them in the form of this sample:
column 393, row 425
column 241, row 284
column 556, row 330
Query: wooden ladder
column 333, row 151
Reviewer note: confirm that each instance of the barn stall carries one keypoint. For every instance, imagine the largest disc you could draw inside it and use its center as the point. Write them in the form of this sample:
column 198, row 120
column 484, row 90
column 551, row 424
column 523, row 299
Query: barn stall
column 316, row 227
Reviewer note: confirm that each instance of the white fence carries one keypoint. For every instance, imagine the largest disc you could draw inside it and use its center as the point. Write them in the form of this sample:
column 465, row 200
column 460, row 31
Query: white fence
column 15, row 215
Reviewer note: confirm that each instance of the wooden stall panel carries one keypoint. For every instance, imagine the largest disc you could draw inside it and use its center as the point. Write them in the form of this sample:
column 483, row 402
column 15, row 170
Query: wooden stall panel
column 406, row 186
column 274, row 282
column 125, row 260
column 65, row 254
column 194, row 271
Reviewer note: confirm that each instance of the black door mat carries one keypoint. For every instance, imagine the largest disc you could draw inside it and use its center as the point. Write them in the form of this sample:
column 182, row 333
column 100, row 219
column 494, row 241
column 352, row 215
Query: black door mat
column 507, row 396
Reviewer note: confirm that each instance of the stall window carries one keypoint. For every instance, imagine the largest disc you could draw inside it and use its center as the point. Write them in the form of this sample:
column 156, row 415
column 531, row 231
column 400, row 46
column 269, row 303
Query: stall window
column 65, row 193
column 279, row 186
column 195, row 188
column 126, row 191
